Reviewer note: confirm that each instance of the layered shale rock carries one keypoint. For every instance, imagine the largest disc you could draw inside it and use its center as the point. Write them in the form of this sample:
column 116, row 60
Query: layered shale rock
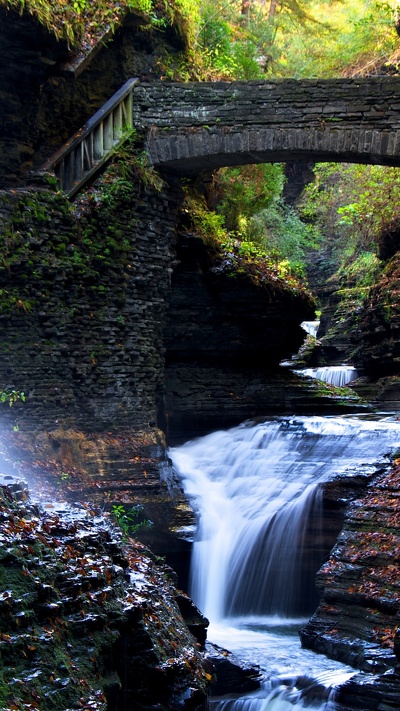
column 87, row 622
column 226, row 332
column 126, row 469
column 378, row 326
column 357, row 619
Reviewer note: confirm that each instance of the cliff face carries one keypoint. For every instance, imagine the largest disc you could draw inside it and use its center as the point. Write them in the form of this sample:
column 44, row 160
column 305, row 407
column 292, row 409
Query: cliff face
column 82, row 306
column 225, row 336
column 358, row 616
column 47, row 93
column 82, row 300
column 379, row 325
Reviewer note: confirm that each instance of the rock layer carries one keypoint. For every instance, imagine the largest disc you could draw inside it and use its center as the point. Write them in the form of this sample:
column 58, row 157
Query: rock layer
column 359, row 613
column 378, row 326
column 224, row 339
column 87, row 621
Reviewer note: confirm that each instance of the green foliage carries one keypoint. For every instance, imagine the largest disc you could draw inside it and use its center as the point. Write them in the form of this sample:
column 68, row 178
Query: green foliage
column 215, row 42
column 349, row 38
column 237, row 257
column 246, row 190
column 352, row 206
column 228, row 46
column 11, row 396
column 236, row 254
column 83, row 22
column 363, row 270
column 286, row 237
column 358, row 202
column 344, row 38
column 132, row 165
column 184, row 15
column 299, row 38
column 249, row 199
column 11, row 300
column 129, row 520
column 205, row 222
column 321, row 38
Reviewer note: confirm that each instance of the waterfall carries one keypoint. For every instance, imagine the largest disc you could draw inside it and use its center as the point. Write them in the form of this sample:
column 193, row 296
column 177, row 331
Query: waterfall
column 254, row 489
column 338, row 375
column 310, row 327
column 257, row 496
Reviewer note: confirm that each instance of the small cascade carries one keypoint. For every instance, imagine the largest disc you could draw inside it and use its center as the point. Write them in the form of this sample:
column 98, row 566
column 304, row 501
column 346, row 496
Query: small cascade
column 338, row 375
column 310, row 327
column 288, row 695
column 256, row 491
column 278, row 573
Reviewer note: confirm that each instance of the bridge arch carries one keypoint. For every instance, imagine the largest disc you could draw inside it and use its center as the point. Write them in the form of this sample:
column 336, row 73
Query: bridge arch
column 205, row 148
column 195, row 126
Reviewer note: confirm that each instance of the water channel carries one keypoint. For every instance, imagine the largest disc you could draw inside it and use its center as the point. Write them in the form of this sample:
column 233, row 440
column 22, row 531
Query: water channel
column 257, row 496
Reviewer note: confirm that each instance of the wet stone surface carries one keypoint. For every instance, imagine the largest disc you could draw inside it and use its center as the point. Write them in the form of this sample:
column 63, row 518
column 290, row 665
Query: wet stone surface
column 358, row 616
column 87, row 621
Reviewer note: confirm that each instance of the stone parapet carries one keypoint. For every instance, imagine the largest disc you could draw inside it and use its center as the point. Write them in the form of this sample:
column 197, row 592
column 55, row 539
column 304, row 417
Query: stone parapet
column 193, row 127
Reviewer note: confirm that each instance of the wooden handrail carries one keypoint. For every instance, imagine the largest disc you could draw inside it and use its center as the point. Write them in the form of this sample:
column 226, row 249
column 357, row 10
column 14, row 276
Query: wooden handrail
column 86, row 151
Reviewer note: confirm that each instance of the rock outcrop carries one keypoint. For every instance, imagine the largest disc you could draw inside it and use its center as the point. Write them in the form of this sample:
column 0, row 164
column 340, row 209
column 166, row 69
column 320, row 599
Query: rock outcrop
column 86, row 620
column 378, row 326
column 225, row 337
column 48, row 91
column 126, row 469
column 357, row 619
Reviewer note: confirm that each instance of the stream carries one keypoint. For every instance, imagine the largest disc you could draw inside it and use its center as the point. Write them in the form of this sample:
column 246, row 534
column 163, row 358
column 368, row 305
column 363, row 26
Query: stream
column 256, row 493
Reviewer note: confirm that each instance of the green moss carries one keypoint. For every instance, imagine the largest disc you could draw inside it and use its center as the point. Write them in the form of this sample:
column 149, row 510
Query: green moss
column 78, row 20
column 83, row 23
column 234, row 256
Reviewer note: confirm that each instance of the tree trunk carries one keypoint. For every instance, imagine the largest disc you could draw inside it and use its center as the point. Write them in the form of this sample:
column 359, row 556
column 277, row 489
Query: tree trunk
column 272, row 11
column 246, row 7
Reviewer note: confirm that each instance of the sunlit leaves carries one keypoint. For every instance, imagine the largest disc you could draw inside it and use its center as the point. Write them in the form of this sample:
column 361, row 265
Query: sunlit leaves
column 353, row 205
column 11, row 396
column 246, row 190
column 351, row 38
column 297, row 39
column 83, row 22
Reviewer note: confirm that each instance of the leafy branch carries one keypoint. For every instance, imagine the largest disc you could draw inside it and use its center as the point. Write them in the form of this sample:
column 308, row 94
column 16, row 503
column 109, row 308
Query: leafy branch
column 129, row 519
column 11, row 396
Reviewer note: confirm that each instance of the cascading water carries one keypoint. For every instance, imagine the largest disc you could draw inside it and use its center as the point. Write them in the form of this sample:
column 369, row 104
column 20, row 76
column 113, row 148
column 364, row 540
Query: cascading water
column 256, row 492
column 310, row 327
column 338, row 375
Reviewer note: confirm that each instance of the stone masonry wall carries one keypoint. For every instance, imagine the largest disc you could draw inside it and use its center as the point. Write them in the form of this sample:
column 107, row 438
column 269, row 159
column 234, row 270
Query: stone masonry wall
column 198, row 126
column 373, row 101
column 82, row 294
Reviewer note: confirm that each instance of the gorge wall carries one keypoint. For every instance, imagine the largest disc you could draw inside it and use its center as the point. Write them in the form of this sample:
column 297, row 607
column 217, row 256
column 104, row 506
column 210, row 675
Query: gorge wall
column 357, row 620
column 113, row 326
column 225, row 336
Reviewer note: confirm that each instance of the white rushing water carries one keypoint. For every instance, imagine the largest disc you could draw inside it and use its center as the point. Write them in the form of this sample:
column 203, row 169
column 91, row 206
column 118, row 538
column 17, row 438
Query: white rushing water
column 310, row 327
column 338, row 375
column 255, row 489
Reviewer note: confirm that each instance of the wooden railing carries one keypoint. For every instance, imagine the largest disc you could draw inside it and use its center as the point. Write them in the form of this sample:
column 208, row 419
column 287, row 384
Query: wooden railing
column 78, row 159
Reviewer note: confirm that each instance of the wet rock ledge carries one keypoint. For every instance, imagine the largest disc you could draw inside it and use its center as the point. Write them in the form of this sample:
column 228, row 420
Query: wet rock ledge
column 358, row 619
column 88, row 621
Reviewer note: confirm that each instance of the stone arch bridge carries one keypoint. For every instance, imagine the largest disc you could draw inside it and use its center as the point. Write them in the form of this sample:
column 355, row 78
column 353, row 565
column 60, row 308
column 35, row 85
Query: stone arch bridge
column 197, row 126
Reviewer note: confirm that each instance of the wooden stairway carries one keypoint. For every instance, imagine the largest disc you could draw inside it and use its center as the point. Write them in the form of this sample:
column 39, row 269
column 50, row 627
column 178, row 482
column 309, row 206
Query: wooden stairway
column 89, row 148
